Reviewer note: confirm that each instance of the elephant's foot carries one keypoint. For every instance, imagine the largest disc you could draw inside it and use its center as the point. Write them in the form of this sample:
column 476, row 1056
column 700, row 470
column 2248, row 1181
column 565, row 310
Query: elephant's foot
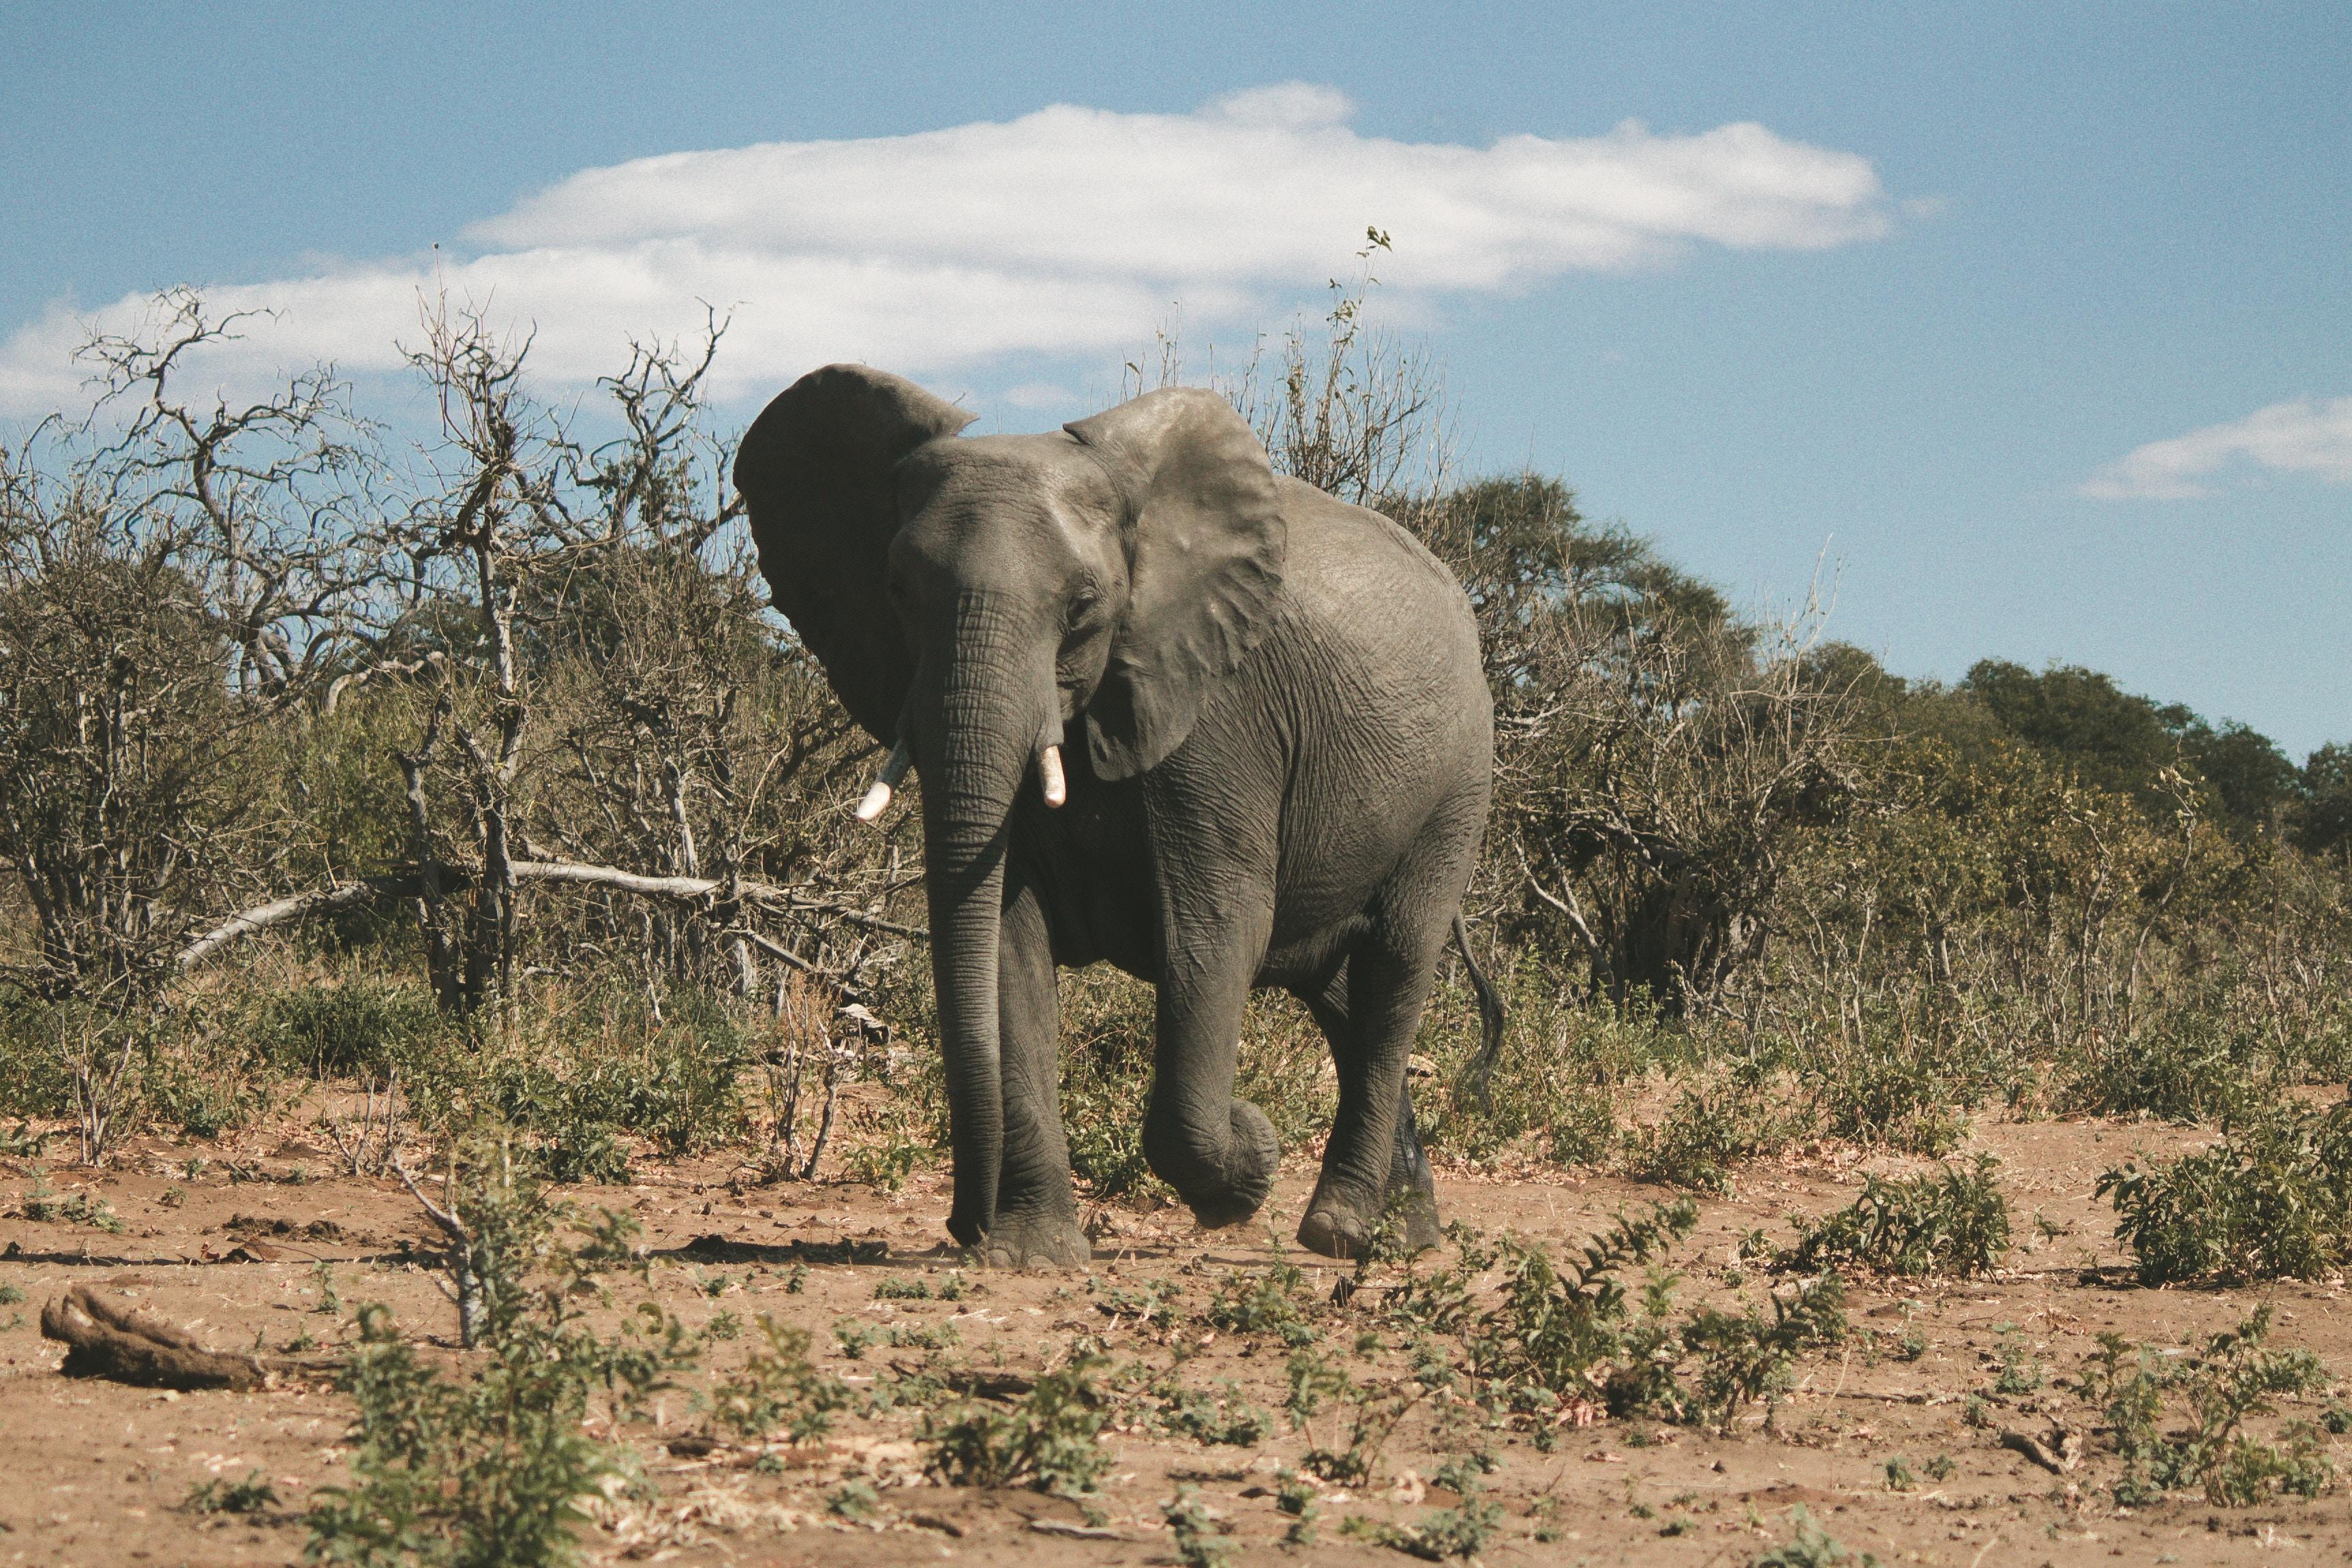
column 1332, row 1232
column 1042, row 1241
column 1338, row 1228
column 1248, row 1170
column 1415, row 1215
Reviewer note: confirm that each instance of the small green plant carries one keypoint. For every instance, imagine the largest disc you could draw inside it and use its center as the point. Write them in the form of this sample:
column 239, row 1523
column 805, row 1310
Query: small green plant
column 1199, row 1534
column 885, row 1162
column 1744, row 1358
column 2232, row 1378
column 1046, row 1441
column 579, row 1150
column 855, row 1338
column 855, row 1501
column 251, row 1495
column 1265, row 1303
column 1451, row 1533
column 1150, row 1306
column 42, row 1206
column 922, row 1336
column 1557, row 1325
column 1709, row 1133
column 10, row 1296
column 328, row 1303
column 1295, row 1495
column 902, row 1287
column 2019, row 1372
column 1221, row 1417
column 1954, row 1221
column 1940, row 1468
column 1899, row 1477
column 778, row 1389
column 1810, row 1546
column 1377, row 1410
column 2185, row 1071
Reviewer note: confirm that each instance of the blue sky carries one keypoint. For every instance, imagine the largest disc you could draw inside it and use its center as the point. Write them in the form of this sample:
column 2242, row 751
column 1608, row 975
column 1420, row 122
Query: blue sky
column 2038, row 317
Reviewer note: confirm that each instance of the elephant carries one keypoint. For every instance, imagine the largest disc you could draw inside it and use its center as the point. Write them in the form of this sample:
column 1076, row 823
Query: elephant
column 1262, row 743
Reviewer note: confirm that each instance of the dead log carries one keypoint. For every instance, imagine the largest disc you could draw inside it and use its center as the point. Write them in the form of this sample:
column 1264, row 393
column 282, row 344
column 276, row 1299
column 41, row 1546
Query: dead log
column 122, row 1344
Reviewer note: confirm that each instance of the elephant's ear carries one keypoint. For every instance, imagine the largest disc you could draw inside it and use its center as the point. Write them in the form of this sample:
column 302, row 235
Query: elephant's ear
column 816, row 474
column 1205, row 538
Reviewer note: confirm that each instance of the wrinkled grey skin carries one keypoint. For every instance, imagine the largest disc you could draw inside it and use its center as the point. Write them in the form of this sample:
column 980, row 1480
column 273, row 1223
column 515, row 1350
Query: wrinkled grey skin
column 1277, row 741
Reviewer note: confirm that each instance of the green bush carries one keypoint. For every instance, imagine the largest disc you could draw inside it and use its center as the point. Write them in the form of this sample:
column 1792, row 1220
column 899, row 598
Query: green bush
column 1810, row 1546
column 252, row 1495
column 1567, row 1330
column 1219, row 1416
column 1890, row 1091
column 488, row 1470
column 1712, row 1129
column 2183, row 1068
column 1954, row 1221
column 2273, row 1198
column 361, row 1026
column 1266, row 1303
column 1744, row 1357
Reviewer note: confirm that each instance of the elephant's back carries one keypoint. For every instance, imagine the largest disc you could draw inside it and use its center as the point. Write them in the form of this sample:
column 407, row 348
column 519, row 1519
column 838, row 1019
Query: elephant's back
column 1386, row 729
column 1387, row 615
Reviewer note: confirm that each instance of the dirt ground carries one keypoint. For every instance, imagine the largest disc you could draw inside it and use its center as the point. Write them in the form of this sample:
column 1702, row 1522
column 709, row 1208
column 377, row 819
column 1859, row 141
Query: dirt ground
column 98, row 1473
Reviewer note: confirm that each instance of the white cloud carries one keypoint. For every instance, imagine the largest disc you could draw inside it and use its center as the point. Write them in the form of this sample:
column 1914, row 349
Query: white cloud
column 2309, row 436
column 1064, row 232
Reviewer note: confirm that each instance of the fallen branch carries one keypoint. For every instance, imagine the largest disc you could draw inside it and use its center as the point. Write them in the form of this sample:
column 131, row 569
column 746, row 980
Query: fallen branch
column 301, row 906
column 701, row 893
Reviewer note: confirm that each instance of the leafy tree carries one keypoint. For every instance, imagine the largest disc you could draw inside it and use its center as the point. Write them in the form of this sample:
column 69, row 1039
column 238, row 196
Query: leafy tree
column 2110, row 739
column 2323, row 819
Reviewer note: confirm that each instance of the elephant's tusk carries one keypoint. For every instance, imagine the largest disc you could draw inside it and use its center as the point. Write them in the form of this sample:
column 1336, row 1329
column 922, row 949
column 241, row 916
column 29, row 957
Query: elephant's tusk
column 1049, row 776
column 878, row 794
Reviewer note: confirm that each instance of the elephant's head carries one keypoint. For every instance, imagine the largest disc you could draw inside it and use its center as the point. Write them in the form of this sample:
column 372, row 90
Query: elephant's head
column 971, row 598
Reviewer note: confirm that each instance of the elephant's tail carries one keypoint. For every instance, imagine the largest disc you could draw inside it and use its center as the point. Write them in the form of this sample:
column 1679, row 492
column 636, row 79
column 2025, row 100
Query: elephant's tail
column 1481, row 1076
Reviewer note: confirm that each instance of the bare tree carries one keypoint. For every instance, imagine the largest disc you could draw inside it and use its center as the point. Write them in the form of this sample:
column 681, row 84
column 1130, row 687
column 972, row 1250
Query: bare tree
column 173, row 573
column 571, row 643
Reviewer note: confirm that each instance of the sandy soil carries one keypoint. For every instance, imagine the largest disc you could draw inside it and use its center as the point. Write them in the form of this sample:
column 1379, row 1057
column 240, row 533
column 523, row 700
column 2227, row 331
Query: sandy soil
column 98, row 1473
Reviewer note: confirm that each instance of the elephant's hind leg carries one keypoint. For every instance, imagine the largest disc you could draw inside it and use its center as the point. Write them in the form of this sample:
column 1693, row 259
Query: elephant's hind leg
column 1036, row 1219
column 1373, row 1163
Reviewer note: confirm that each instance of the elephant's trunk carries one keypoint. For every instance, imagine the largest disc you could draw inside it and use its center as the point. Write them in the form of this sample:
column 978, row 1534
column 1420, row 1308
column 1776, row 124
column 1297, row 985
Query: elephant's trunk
column 975, row 755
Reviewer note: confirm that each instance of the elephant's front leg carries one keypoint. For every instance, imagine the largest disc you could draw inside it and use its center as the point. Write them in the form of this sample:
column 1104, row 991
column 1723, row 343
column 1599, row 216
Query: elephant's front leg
column 1219, row 1153
column 1036, row 1219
